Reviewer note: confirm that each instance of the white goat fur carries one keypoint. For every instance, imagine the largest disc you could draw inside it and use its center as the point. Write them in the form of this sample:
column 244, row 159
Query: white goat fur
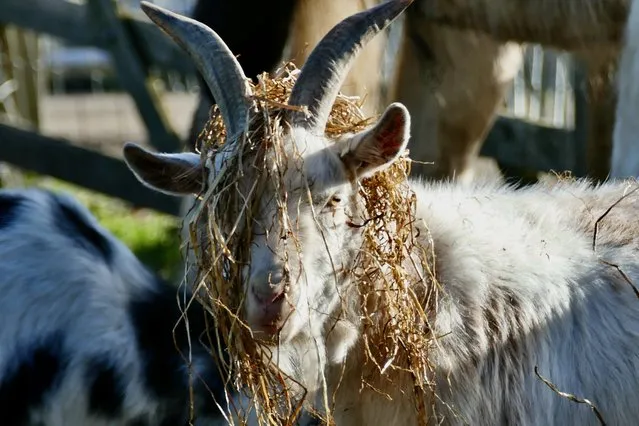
column 70, row 348
column 522, row 287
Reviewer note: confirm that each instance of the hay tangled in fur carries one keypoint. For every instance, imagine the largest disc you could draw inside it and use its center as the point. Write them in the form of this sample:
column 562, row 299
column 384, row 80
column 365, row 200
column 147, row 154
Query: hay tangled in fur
column 394, row 316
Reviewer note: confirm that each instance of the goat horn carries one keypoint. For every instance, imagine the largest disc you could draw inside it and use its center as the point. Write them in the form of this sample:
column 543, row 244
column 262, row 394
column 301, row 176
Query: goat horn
column 323, row 73
column 219, row 68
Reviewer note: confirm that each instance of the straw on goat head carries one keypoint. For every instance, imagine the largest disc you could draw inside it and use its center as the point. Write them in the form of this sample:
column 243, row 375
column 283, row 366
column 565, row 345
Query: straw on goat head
column 244, row 149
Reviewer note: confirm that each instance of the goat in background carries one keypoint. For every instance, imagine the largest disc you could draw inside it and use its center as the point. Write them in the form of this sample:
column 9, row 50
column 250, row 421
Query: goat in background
column 88, row 335
column 453, row 109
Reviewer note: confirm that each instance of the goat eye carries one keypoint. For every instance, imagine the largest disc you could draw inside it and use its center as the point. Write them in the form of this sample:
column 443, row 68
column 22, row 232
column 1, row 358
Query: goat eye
column 336, row 199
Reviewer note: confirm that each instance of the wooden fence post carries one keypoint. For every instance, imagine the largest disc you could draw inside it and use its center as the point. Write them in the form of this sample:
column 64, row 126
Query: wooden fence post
column 19, row 50
column 133, row 75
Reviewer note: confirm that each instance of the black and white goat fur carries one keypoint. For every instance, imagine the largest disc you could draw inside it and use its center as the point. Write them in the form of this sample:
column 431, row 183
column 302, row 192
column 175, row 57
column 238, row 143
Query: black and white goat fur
column 87, row 332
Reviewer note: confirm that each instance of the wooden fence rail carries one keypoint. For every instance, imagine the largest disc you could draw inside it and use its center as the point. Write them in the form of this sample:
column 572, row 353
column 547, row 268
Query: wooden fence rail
column 136, row 46
column 63, row 160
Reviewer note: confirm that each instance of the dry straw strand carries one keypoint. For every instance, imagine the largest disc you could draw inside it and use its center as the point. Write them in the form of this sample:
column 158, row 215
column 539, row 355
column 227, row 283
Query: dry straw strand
column 394, row 316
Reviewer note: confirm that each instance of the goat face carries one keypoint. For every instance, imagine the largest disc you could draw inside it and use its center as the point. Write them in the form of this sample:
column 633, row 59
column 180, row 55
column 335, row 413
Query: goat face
column 303, row 238
column 295, row 263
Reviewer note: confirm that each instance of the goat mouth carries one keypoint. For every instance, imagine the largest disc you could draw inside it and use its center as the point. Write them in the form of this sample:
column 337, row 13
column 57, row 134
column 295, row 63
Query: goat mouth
column 269, row 312
column 272, row 319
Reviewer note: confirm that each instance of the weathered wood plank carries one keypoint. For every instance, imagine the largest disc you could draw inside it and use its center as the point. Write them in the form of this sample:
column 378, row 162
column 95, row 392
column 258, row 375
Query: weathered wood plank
column 60, row 159
column 58, row 18
column 133, row 76
column 519, row 144
column 21, row 54
column 71, row 22
column 512, row 142
column 582, row 122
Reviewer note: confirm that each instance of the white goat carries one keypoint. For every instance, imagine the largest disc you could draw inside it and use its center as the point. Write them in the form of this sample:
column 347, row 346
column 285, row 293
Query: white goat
column 524, row 285
column 86, row 331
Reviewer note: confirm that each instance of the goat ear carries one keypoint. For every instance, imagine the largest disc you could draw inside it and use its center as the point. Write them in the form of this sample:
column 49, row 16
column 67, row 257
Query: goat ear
column 378, row 147
column 172, row 174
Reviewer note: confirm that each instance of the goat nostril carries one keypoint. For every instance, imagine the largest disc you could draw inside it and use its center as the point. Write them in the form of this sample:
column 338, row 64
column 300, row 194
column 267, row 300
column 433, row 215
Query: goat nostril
column 274, row 278
column 278, row 297
column 268, row 297
column 267, row 287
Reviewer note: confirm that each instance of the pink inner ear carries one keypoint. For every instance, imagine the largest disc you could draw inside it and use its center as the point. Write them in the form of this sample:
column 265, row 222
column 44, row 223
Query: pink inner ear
column 391, row 136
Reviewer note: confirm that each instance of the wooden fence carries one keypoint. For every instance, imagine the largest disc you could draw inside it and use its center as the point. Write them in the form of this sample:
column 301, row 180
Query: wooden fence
column 136, row 46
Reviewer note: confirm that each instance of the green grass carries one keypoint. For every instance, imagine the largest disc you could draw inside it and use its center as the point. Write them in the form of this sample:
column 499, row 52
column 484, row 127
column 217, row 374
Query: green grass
column 152, row 236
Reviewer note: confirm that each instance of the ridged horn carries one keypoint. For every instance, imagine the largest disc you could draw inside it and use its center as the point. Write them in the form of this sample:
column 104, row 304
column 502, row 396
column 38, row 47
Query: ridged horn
column 219, row 68
column 328, row 64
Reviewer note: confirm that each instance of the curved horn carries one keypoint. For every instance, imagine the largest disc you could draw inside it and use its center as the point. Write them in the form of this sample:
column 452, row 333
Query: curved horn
column 323, row 73
column 219, row 68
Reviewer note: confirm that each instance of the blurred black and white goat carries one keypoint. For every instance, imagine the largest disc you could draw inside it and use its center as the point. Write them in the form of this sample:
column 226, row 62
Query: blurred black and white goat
column 88, row 335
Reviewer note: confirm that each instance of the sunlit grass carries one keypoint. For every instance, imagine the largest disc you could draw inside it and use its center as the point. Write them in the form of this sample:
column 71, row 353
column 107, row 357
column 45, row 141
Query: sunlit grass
column 152, row 236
